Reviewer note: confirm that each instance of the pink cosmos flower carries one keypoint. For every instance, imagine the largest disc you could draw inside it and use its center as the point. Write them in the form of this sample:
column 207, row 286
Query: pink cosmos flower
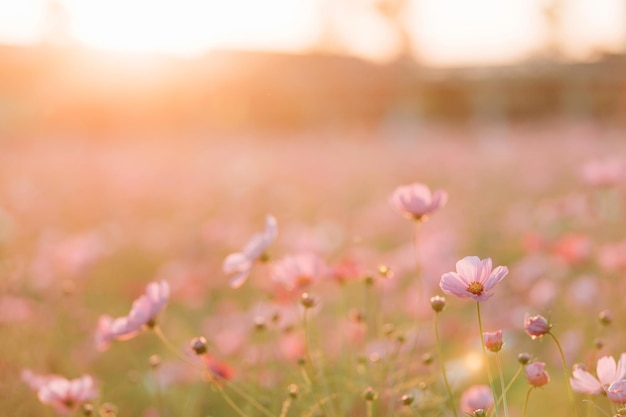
column 416, row 200
column 536, row 375
column 473, row 278
column 493, row 340
column 617, row 392
column 238, row 265
column 608, row 372
column 144, row 312
column 477, row 397
column 62, row 394
column 298, row 271
column 536, row 326
column 603, row 172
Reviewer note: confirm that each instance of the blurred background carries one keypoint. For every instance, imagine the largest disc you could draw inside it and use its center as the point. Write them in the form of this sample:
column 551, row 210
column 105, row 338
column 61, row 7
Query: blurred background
column 138, row 68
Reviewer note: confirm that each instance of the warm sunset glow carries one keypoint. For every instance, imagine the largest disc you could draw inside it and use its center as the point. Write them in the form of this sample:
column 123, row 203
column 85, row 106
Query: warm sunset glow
column 443, row 32
column 192, row 26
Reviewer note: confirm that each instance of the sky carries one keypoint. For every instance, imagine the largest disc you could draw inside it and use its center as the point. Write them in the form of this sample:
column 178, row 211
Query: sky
column 443, row 32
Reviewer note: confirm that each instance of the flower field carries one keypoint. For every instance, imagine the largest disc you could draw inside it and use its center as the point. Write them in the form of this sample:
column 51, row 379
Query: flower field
column 332, row 274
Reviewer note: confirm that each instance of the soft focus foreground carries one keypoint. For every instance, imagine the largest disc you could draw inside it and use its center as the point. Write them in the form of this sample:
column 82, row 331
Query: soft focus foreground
column 86, row 226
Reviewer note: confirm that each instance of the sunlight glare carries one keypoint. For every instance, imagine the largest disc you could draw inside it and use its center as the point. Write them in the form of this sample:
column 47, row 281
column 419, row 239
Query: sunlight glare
column 192, row 26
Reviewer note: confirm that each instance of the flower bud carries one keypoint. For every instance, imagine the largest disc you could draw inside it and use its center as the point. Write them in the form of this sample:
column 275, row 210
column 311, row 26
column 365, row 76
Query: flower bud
column 536, row 375
column 605, row 317
column 479, row 413
column 523, row 358
column 493, row 341
column 598, row 343
column 199, row 345
column 536, row 326
column 308, row 300
column 292, row 389
column 369, row 394
column 407, row 399
column 427, row 359
column 155, row 361
column 87, row 409
column 437, row 303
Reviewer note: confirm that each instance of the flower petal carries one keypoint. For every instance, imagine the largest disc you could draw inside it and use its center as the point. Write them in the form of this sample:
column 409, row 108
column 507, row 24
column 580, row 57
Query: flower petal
column 453, row 284
column 496, row 276
column 606, row 370
column 584, row 382
column 468, row 268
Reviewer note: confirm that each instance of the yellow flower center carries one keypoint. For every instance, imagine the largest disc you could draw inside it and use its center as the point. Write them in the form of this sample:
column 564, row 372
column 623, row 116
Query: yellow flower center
column 476, row 288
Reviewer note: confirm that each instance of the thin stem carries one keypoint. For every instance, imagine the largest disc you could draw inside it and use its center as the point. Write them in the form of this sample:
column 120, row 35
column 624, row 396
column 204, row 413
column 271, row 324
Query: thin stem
column 420, row 283
column 502, row 387
column 570, row 393
column 285, row 408
column 250, row 399
column 170, row 346
column 591, row 403
column 309, row 359
column 230, row 401
column 369, row 407
column 442, row 364
column 159, row 393
column 480, row 328
column 526, row 400
column 510, row 384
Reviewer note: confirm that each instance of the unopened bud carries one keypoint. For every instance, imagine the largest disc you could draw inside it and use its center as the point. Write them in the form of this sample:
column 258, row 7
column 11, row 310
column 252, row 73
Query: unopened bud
column 369, row 280
column 438, row 303
column 407, row 399
column 259, row 323
column 427, row 359
column 307, row 300
column 369, row 394
column 388, row 329
column 199, row 345
column 292, row 390
column 523, row 358
column 107, row 410
column 155, row 361
column 598, row 344
column 479, row 413
column 87, row 409
column 605, row 317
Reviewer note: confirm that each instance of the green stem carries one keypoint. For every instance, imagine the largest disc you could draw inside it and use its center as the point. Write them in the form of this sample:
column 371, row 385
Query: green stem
column 570, row 393
column 510, row 384
column 309, row 359
column 239, row 391
column 526, row 400
column 502, row 387
column 491, row 385
column 230, row 401
column 159, row 393
column 285, row 407
column 170, row 346
column 442, row 364
column 369, row 407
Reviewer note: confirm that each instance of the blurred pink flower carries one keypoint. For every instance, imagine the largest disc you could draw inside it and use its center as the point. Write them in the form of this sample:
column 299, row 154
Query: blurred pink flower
column 608, row 372
column 62, row 394
column 493, row 340
column 238, row 265
column 473, row 278
column 36, row 381
column 573, row 248
column 416, row 200
column 299, row 271
column 617, row 392
column 477, row 397
column 536, row 375
column 217, row 368
column 604, row 172
column 143, row 312
column 536, row 326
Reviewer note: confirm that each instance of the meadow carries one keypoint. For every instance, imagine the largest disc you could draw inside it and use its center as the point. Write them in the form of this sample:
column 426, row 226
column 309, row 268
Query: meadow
column 335, row 317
